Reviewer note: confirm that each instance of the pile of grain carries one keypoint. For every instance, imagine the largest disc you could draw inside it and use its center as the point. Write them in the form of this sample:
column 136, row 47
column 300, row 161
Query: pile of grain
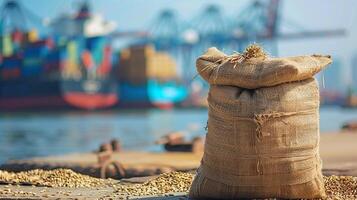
column 337, row 187
column 173, row 182
column 341, row 187
column 53, row 178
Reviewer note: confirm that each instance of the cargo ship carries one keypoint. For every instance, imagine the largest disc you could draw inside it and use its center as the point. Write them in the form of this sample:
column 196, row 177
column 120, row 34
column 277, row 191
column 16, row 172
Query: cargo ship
column 148, row 78
column 70, row 68
column 29, row 72
column 86, row 81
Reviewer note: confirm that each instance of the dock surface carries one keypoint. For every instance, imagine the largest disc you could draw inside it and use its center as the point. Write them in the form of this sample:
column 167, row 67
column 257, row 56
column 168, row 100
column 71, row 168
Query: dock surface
column 134, row 163
column 30, row 192
column 338, row 152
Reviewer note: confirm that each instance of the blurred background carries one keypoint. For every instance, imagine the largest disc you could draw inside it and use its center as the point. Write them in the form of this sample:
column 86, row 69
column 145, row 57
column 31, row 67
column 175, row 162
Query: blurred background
column 76, row 73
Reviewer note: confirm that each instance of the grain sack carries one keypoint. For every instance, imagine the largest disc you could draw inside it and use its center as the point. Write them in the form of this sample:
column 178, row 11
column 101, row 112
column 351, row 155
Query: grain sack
column 263, row 126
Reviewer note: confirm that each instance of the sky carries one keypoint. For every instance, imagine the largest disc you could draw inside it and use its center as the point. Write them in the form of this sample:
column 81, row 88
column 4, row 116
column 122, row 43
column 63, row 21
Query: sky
column 302, row 15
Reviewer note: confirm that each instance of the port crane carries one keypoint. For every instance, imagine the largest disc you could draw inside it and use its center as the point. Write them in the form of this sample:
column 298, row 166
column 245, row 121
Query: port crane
column 259, row 21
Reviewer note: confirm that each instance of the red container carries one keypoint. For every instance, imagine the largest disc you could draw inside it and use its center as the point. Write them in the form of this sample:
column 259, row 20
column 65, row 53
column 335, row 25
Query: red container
column 48, row 42
column 53, row 66
column 12, row 73
column 106, row 65
column 17, row 36
column 12, row 61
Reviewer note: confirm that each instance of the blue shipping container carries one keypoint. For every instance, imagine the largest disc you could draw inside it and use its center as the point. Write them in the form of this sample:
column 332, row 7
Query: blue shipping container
column 35, row 52
column 32, row 71
column 11, row 62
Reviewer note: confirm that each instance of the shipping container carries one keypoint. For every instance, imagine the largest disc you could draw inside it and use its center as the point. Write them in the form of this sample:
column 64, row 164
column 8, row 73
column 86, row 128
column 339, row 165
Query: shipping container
column 55, row 61
column 11, row 73
column 32, row 36
column 147, row 77
column 17, row 36
column 105, row 66
column 51, row 71
column 33, row 71
column 30, row 62
column 7, row 45
column 35, row 51
column 10, row 62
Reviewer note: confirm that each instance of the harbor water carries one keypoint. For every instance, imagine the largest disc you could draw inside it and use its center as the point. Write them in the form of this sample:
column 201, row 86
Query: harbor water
column 25, row 135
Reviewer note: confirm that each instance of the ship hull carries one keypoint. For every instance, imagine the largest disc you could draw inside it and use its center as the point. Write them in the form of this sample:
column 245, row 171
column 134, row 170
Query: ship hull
column 20, row 95
column 16, row 95
column 90, row 94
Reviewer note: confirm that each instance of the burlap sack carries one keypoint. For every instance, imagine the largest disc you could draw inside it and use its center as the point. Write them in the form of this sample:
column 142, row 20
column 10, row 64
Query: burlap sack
column 263, row 128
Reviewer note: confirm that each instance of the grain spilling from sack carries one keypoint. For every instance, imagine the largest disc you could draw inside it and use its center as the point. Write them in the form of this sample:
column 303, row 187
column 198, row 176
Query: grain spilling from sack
column 263, row 126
